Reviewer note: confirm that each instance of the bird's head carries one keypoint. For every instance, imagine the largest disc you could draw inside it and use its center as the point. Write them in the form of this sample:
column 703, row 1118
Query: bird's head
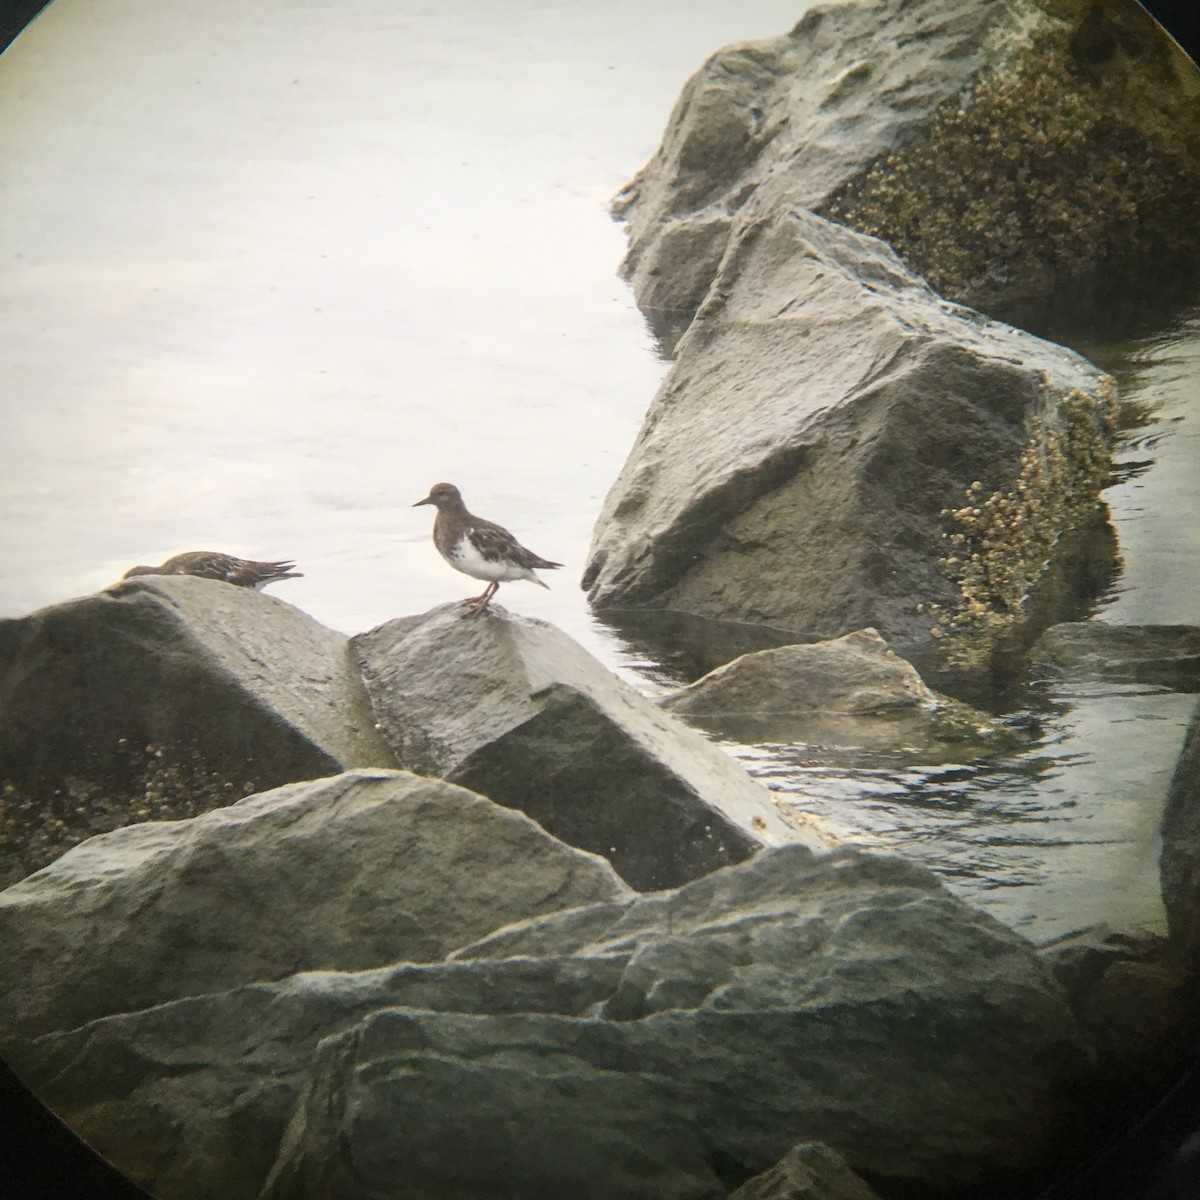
column 444, row 495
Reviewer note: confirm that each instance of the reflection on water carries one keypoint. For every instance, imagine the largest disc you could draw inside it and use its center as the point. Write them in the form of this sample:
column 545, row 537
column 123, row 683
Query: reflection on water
column 1157, row 496
column 1057, row 836
column 271, row 270
column 666, row 649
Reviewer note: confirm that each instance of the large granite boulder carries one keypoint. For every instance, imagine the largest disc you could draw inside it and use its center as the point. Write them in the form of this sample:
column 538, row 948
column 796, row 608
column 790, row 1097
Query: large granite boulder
column 671, row 1045
column 849, row 691
column 837, row 447
column 159, row 1089
column 354, row 871
column 165, row 697
column 513, row 708
column 1166, row 655
column 760, row 1006
column 989, row 144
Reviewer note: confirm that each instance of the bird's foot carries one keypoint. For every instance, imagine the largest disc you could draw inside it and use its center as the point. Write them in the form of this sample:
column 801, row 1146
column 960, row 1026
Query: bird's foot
column 475, row 605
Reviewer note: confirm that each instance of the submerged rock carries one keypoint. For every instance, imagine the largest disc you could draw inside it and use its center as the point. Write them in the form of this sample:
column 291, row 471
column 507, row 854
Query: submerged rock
column 1168, row 655
column 659, row 1046
column 513, row 708
column 855, row 675
column 161, row 698
column 854, row 691
column 973, row 138
column 837, row 447
column 350, row 872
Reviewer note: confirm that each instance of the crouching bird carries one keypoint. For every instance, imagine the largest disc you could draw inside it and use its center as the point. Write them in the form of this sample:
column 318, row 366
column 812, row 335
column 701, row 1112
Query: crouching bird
column 212, row 564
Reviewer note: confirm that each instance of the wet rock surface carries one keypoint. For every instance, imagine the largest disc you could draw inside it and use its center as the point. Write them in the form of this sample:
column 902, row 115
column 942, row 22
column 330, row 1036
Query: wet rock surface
column 855, row 675
column 859, row 453
column 512, row 708
column 162, row 698
column 850, row 691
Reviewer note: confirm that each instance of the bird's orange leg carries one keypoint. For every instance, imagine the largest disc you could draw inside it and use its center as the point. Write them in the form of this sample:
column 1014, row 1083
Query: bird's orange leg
column 476, row 604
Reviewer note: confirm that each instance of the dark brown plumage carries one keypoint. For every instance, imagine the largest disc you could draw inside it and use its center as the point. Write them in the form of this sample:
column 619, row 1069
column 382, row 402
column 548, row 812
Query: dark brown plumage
column 212, row 564
column 479, row 548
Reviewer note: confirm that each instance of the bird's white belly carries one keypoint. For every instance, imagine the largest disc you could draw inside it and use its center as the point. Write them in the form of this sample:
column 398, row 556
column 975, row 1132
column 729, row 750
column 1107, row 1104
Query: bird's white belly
column 469, row 561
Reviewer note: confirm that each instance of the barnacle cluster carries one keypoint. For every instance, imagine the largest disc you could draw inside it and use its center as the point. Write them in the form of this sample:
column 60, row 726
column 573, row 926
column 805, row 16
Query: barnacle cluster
column 35, row 828
column 1039, row 176
column 1001, row 542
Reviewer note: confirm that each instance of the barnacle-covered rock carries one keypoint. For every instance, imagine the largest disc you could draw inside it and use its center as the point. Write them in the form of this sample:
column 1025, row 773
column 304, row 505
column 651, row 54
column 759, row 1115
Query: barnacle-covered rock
column 1037, row 161
column 837, row 447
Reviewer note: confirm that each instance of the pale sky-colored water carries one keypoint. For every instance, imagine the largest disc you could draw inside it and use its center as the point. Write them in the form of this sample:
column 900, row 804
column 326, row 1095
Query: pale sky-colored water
column 271, row 269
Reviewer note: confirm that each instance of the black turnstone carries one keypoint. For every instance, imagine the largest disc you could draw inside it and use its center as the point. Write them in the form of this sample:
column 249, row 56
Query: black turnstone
column 479, row 548
column 212, row 564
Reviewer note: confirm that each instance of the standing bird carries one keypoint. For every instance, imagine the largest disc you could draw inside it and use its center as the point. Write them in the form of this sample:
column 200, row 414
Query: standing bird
column 479, row 548
column 212, row 564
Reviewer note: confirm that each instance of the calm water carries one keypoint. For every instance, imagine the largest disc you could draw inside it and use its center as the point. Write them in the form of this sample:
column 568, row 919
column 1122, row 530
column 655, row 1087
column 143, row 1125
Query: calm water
column 272, row 269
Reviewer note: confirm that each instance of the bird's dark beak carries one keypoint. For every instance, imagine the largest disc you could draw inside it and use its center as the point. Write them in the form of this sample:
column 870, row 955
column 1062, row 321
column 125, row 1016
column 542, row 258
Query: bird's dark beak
column 427, row 500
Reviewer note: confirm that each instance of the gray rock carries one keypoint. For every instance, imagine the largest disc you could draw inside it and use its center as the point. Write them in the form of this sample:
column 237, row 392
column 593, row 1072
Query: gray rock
column 1179, row 864
column 965, row 134
column 663, row 1045
column 1167, row 655
column 158, row 1090
column 349, row 872
column 852, row 691
column 513, row 708
column 162, row 698
column 831, row 432
column 755, row 1009
column 809, row 1171
column 855, row 675
column 668, row 1045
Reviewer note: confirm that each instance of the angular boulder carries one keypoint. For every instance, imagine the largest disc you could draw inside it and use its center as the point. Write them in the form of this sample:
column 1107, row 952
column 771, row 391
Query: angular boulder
column 165, row 697
column 159, row 1089
column 663, row 1046
column 848, row 1000
column 1167, row 655
column 978, row 140
column 344, row 873
column 513, row 708
column 837, row 447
